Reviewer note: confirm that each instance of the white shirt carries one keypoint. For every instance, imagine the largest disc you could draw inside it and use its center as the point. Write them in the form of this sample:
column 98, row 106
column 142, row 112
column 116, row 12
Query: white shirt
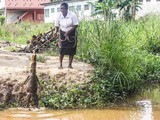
column 66, row 23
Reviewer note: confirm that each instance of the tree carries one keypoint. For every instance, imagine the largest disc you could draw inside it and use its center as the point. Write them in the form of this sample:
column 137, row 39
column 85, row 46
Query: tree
column 128, row 8
column 105, row 7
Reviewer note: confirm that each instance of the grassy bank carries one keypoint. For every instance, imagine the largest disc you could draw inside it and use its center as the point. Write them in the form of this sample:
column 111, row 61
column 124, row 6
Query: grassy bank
column 125, row 56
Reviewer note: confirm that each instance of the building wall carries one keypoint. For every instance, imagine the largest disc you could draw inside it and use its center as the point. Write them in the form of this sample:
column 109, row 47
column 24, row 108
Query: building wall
column 51, row 10
column 13, row 15
column 2, row 7
column 148, row 7
column 25, row 4
column 2, row 4
column 14, row 9
column 39, row 17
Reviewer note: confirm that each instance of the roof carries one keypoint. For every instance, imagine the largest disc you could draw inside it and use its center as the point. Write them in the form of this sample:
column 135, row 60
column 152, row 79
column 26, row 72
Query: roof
column 25, row 4
column 58, row 2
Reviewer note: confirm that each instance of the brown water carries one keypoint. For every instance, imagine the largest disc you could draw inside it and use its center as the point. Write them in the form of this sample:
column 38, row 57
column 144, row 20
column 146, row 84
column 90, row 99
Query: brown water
column 148, row 109
column 144, row 113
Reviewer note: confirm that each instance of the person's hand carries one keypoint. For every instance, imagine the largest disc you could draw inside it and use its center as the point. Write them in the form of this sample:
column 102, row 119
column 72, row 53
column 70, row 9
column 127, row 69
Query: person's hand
column 66, row 34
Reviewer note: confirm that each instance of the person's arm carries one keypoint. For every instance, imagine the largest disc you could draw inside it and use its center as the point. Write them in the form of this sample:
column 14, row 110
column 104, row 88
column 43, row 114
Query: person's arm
column 56, row 30
column 57, row 24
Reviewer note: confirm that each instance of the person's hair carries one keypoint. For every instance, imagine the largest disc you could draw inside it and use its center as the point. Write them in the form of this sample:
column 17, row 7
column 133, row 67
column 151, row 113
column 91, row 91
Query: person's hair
column 65, row 5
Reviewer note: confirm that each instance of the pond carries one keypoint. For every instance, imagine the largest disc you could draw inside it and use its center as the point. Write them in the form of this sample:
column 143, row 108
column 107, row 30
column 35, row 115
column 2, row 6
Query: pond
column 147, row 107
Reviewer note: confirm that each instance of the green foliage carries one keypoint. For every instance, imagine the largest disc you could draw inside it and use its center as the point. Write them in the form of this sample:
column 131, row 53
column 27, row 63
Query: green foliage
column 119, row 54
column 152, row 34
column 69, row 97
column 2, row 20
column 129, row 8
column 12, row 49
column 105, row 7
column 41, row 58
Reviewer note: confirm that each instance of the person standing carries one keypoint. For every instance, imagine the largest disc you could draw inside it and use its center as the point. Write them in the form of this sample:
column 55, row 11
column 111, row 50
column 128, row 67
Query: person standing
column 67, row 22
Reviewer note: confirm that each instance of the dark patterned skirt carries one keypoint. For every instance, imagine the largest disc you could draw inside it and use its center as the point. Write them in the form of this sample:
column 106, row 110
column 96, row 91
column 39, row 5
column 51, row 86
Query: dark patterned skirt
column 67, row 45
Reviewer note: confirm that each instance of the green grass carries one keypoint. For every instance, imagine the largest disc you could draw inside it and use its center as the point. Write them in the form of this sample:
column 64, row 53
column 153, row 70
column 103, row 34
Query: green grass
column 41, row 58
column 21, row 33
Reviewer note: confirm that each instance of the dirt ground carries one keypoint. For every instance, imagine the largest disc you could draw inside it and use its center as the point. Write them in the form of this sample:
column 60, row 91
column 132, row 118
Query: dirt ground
column 15, row 66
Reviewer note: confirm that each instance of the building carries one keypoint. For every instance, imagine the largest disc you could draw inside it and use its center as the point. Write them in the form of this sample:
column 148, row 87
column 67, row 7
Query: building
column 22, row 10
column 45, row 10
column 84, row 10
column 81, row 7
column 148, row 7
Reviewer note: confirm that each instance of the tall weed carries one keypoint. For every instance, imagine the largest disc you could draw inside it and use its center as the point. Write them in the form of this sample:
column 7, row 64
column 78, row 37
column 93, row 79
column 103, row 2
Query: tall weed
column 119, row 54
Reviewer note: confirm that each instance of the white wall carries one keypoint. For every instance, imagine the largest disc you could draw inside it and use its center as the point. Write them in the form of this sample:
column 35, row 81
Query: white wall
column 152, row 6
column 2, row 7
column 2, row 4
column 148, row 7
column 83, row 14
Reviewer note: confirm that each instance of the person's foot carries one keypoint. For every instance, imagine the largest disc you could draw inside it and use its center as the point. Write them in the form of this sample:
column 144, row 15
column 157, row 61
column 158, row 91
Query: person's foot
column 60, row 67
column 70, row 67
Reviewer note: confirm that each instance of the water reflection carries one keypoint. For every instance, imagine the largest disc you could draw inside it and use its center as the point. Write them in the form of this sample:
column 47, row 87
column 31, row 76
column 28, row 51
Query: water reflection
column 146, row 109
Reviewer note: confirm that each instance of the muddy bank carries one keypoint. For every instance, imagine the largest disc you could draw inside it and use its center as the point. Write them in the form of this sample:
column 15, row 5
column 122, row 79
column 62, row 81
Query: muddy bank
column 15, row 69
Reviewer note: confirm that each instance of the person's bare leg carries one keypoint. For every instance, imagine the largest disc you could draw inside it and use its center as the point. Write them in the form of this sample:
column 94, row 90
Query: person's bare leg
column 60, row 61
column 70, row 61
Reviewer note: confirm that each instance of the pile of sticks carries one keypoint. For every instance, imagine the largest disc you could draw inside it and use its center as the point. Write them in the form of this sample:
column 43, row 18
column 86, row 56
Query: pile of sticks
column 41, row 42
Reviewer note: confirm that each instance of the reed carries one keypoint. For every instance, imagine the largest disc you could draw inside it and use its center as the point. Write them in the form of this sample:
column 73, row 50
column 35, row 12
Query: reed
column 121, row 54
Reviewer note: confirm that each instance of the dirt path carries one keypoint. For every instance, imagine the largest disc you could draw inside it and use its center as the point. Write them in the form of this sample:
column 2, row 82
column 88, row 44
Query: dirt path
column 14, row 66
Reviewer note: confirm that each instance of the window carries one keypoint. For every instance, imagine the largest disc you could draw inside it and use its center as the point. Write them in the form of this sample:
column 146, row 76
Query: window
column 72, row 8
column 78, row 8
column 46, row 12
column 148, row 0
column 86, row 7
column 52, row 10
column 158, row 0
column 140, row 0
column 58, row 9
column 92, row 9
